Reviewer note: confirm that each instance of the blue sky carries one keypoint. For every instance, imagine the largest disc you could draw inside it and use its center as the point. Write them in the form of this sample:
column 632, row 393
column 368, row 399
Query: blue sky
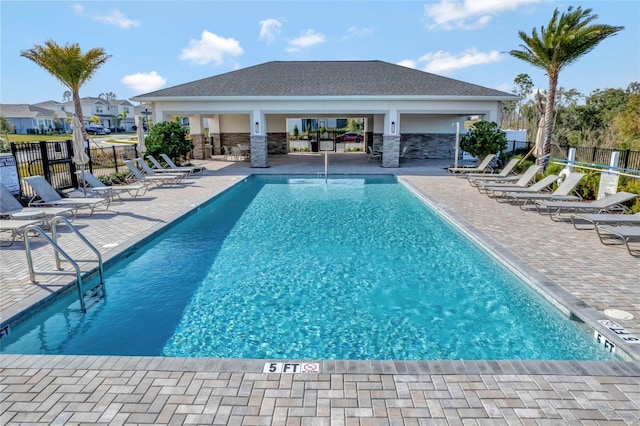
column 158, row 44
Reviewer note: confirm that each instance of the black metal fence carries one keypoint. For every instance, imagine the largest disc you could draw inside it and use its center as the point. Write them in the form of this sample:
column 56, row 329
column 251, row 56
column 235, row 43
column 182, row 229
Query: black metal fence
column 54, row 161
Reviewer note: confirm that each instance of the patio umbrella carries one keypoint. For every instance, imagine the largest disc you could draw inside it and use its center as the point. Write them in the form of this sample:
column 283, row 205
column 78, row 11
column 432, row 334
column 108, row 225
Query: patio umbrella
column 79, row 157
column 140, row 131
column 539, row 147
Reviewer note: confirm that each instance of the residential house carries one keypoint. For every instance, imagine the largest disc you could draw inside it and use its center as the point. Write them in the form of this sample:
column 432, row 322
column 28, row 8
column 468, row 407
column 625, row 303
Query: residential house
column 35, row 119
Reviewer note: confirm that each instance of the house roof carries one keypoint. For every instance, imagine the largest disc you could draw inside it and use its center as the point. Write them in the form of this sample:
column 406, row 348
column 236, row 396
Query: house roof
column 24, row 111
column 326, row 78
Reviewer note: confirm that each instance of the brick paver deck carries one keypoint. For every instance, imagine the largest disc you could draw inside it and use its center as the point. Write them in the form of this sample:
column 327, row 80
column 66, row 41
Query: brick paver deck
column 583, row 276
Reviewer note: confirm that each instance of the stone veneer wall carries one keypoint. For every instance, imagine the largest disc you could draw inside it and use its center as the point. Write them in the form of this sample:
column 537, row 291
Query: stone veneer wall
column 233, row 139
column 214, row 140
column 277, row 143
column 425, row 146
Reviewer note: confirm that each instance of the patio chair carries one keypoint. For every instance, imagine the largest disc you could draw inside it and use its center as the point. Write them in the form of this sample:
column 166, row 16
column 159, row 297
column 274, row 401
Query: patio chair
column 594, row 219
column 562, row 193
column 157, row 167
column 507, row 170
column 622, row 234
column 148, row 171
column 612, row 202
column 373, row 154
column 403, row 153
column 169, row 161
column 480, row 168
column 94, row 184
column 46, row 195
column 521, row 181
column 16, row 227
column 11, row 208
column 498, row 191
column 141, row 178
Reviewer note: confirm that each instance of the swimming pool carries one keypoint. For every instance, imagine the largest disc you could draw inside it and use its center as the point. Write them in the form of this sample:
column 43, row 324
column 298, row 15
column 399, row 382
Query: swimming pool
column 296, row 268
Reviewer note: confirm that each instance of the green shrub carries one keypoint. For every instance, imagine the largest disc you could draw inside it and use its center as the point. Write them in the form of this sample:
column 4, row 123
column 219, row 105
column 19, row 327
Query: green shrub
column 484, row 138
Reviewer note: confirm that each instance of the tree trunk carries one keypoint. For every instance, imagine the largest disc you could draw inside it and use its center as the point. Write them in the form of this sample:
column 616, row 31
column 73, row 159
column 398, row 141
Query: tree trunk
column 78, row 107
column 548, row 120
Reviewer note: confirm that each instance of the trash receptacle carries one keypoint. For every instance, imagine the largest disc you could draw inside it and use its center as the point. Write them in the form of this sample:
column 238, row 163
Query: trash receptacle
column 314, row 145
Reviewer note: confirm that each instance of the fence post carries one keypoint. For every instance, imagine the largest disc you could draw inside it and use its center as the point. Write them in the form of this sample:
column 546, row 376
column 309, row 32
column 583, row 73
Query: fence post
column 115, row 158
column 72, row 165
column 625, row 155
column 44, row 156
column 87, row 149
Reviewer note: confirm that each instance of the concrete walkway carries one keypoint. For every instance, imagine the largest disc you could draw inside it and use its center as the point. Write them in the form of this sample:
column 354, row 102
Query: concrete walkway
column 570, row 267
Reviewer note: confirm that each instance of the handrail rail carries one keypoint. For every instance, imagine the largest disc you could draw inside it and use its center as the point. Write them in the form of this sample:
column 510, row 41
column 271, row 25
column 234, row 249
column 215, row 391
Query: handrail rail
column 58, row 251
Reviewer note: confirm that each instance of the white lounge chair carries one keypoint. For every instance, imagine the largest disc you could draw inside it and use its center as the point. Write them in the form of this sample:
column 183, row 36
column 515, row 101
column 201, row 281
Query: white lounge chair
column 622, row 234
column 480, row 168
column 562, row 193
column 474, row 178
column 11, row 208
column 16, row 227
column 594, row 219
column 46, row 195
column 612, row 202
column 515, row 181
column 94, row 184
column 170, row 163
column 157, row 167
column 148, row 171
column 139, row 177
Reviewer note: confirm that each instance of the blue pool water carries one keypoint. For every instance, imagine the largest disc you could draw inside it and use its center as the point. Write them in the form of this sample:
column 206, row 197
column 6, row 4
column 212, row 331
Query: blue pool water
column 291, row 267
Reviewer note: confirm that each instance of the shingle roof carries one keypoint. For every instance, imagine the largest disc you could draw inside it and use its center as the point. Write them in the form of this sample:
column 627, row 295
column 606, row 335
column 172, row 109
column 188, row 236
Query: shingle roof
column 23, row 111
column 326, row 78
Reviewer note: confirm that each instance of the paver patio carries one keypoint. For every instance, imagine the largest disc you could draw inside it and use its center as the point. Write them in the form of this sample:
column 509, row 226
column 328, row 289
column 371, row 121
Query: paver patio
column 572, row 266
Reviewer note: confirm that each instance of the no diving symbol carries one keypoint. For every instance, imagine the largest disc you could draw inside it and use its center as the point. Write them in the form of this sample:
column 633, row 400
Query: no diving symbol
column 310, row 368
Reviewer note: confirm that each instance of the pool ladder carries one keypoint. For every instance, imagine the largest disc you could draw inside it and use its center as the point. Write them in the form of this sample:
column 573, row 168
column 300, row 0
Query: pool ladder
column 87, row 298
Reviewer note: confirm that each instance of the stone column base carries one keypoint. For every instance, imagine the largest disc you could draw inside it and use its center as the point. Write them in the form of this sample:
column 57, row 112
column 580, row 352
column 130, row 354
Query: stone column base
column 391, row 151
column 259, row 151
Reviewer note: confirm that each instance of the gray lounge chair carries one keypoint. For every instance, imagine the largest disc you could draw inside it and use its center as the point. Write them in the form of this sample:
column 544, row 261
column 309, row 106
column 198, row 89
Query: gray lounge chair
column 16, row 227
column 10, row 207
column 137, row 174
column 507, row 170
column 46, row 195
column 170, row 163
column 94, row 184
column 515, row 181
column 594, row 219
column 498, row 191
column 568, row 185
column 621, row 234
column 612, row 202
column 482, row 167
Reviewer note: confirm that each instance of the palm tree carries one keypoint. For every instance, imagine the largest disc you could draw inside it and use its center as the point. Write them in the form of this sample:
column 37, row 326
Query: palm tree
column 70, row 65
column 566, row 38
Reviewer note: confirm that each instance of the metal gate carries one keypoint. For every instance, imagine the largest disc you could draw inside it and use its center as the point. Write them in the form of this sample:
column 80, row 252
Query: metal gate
column 49, row 159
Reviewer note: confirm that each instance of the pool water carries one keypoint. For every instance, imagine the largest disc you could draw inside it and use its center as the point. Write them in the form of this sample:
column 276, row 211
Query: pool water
column 303, row 268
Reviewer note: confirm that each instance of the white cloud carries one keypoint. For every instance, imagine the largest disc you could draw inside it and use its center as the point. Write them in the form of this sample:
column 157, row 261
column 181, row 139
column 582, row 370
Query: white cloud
column 444, row 62
column 269, row 30
column 469, row 14
column 307, row 39
column 210, row 48
column 359, row 32
column 114, row 18
column 409, row 63
column 144, row 82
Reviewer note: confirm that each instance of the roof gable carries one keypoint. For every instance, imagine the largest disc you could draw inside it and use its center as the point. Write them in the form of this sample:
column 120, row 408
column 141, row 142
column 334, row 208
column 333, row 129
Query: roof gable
column 326, row 78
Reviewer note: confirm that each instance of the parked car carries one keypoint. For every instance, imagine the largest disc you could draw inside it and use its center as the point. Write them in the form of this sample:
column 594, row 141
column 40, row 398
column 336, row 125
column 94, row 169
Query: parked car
column 350, row 137
column 95, row 130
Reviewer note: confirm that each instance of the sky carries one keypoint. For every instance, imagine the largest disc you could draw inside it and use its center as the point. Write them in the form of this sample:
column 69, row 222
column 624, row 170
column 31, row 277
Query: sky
column 158, row 44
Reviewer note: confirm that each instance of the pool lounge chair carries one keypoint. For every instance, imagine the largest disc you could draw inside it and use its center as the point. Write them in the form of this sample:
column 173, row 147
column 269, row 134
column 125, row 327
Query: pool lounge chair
column 498, row 191
column 11, row 208
column 139, row 177
column 157, row 167
column 591, row 220
column 94, row 184
column 170, row 163
column 622, row 234
column 507, row 170
column 46, row 195
column 480, row 168
column 612, row 202
column 515, row 181
column 562, row 193
column 371, row 154
column 16, row 227
column 148, row 171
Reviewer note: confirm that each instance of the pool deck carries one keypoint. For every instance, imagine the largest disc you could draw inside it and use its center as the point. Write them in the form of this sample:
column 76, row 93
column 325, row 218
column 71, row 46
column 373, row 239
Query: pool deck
column 571, row 267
